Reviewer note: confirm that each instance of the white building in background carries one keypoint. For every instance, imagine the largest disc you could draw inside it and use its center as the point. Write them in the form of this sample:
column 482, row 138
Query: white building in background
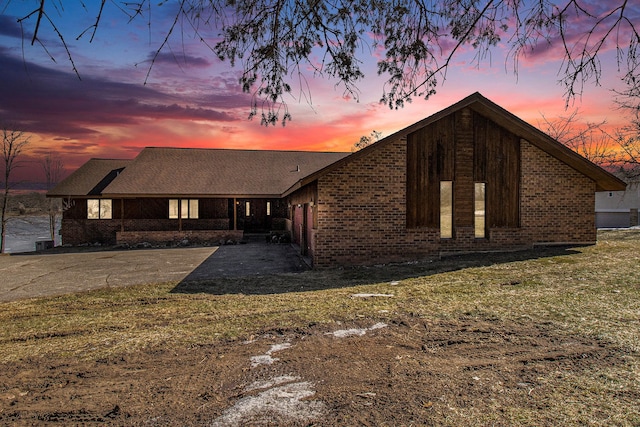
column 618, row 209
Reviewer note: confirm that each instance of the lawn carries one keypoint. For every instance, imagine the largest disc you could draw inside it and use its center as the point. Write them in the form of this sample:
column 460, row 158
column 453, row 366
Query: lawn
column 543, row 337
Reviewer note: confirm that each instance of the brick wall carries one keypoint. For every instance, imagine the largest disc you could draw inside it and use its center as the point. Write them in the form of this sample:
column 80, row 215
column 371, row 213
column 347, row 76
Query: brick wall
column 361, row 211
column 80, row 231
column 214, row 237
column 557, row 203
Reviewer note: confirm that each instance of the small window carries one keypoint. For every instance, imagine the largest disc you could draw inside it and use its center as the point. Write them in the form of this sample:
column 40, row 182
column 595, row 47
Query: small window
column 247, row 208
column 268, row 208
column 446, row 209
column 99, row 209
column 479, row 210
column 183, row 208
column 173, row 209
column 193, row 208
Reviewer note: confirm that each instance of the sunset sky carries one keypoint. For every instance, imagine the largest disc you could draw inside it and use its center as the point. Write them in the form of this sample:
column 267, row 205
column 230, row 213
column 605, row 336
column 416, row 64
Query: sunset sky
column 192, row 99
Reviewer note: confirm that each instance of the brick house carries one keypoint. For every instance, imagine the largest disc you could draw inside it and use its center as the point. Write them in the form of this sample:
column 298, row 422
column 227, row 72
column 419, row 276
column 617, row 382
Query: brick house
column 166, row 195
column 470, row 178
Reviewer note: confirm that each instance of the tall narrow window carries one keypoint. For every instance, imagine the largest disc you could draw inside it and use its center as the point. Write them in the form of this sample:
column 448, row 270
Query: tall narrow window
column 173, row 208
column 105, row 208
column 268, row 208
column 93, row 209
column 193, row 208
column 99, row 209
column 247, row 208
column 184, row 208
column 479, row 210
column 446, row 209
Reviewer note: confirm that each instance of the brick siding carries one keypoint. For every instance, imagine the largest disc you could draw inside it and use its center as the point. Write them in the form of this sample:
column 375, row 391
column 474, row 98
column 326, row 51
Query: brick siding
column 361, row 211
column 214, row 237
column 557, row 202
column 81, row 231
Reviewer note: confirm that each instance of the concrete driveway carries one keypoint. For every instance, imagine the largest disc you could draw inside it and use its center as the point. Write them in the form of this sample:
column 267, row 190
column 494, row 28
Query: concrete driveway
column 36, row 275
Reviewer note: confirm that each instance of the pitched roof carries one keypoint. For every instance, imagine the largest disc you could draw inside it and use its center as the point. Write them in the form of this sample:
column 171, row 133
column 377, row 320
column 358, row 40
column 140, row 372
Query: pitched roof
column 166, row 172
column 89, row 179
column 604, row 180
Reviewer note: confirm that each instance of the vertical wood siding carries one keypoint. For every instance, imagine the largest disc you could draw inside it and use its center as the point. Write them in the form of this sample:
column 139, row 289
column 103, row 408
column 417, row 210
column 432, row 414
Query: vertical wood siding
column 464, row 148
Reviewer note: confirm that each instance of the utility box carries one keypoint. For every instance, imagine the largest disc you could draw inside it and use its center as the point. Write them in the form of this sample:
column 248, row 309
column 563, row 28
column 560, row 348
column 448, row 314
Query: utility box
column 42, row 245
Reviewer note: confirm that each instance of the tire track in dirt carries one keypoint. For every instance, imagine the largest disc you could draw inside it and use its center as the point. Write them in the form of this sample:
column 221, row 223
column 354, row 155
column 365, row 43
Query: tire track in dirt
column 416, row 370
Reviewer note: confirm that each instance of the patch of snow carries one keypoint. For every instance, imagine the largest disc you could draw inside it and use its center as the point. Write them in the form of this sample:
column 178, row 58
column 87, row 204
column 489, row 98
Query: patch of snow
column 266, row 359
column 394, row 283
column 343, row 333
column 263, row 359
column 284, row 402
column 371, row 295
column 279, row 347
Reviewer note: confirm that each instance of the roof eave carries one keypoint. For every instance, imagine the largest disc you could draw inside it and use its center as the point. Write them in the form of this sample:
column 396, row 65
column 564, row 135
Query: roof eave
column 185, row 196
column 605, row 181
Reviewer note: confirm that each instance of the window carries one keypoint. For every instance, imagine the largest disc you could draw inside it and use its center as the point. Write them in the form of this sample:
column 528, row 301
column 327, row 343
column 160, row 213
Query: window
column 479, row 210
column 173, row 209
column 268, row 208
column 99, row 209
column 183, row 208
column 193, row 209
column 446, row 209
column 247, row 208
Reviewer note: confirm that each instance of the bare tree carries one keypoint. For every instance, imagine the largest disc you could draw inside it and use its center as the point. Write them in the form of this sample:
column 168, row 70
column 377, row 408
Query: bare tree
column 588, row 139
column 628, row 140
column 619, row 151
column 280, row 43
column 366, row 140
column 53, row 168
column 13, row 142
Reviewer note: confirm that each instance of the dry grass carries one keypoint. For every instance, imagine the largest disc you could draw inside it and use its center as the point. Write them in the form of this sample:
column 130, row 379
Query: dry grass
column 588, row 291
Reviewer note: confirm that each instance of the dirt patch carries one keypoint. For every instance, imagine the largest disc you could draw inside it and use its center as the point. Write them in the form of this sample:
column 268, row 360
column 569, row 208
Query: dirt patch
column 405, row 372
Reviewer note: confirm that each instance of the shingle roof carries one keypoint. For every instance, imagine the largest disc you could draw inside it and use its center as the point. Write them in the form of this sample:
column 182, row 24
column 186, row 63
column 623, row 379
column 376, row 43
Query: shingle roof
column 604, row 180
column 187, row 172
column 89, row 179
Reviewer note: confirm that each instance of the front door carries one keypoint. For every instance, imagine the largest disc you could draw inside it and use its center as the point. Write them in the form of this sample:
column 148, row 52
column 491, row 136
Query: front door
column 253, row 215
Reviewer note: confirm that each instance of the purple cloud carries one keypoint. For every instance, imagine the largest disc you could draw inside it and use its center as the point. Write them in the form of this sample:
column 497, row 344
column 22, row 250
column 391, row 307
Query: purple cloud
column 182, row 60
column 53, row 102
column 9, row 27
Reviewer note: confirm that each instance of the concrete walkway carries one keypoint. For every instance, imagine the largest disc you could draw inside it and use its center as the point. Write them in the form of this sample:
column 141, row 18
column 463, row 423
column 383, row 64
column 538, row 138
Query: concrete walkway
column 37, row 275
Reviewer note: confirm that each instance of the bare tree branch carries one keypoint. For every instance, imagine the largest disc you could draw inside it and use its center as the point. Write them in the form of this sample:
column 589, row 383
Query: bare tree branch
column 53, row 168
column 13, row 143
